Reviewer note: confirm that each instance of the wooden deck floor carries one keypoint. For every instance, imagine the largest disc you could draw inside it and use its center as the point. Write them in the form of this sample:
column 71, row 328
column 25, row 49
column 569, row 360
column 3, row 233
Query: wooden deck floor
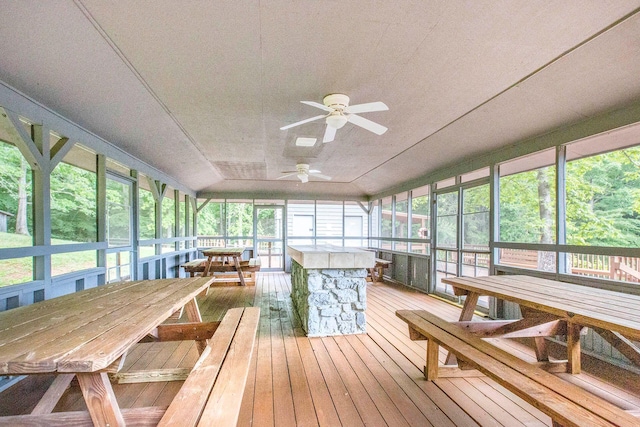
column 373, row 379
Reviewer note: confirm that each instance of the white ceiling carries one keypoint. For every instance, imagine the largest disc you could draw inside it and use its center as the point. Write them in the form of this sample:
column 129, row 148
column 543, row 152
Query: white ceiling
column 199, row 89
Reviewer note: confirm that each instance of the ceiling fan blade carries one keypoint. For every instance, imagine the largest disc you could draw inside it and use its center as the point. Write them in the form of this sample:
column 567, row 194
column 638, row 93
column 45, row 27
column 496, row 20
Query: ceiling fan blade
column 318, row 105
column 287, row 175
column 365, row 108
column 302, row 122
column 319, row 175
column 329, row 134
column 367, row 124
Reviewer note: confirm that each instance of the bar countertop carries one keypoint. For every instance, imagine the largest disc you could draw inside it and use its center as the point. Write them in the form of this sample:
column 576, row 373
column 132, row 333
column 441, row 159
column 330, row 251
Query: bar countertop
column 329, row 256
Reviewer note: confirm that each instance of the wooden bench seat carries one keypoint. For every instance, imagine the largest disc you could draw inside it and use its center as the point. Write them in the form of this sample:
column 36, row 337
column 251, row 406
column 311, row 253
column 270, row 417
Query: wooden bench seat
column 212, row 393
column 565, row 403
column 376, row 272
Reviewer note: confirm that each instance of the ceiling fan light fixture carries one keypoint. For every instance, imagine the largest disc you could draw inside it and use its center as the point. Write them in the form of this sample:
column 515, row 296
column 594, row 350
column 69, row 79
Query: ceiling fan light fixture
column 336, row 120
column 303, row 177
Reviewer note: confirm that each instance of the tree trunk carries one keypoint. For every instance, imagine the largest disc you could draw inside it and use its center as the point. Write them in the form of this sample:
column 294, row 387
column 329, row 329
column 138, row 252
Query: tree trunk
column 546, row 260
column 21, row 215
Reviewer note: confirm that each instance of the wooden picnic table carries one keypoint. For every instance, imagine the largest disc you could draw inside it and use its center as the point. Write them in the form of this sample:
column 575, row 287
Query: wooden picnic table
column 88, row 333
column 230, row 258
column 550, row 307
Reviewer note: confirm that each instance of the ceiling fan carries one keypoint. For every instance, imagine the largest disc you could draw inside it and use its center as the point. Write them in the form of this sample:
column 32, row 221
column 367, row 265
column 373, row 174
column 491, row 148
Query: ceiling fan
column 303, row 173
column 337, row 105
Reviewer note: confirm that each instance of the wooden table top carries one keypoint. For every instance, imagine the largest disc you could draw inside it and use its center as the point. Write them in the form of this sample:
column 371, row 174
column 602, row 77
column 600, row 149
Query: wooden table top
column 88, row 330
column 223, row 251
column 584, row 305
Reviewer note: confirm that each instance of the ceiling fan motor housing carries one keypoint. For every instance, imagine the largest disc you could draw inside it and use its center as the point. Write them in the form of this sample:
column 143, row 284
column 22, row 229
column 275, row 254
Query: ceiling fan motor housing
column 337, row 101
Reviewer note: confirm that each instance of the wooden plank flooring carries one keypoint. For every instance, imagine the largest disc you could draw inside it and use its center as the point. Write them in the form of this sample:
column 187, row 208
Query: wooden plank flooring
column 370, row 379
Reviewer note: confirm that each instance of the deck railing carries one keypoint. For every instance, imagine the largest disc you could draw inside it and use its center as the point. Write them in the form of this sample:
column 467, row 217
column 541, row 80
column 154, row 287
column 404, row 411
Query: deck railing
column 626, row 269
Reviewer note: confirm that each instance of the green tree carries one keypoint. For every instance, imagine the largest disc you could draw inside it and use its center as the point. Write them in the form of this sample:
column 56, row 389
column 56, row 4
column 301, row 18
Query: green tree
column 15, row 179
column 73, row 204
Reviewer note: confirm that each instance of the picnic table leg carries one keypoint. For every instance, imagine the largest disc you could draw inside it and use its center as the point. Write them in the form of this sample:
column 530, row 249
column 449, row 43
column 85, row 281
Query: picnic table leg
column 53, row 394
column 431, row 366
column 193, row 314
column 573, row 348
column 541, row 345
column 236, row 263
column 207, row 266
column 100, row 399
column 468, row 308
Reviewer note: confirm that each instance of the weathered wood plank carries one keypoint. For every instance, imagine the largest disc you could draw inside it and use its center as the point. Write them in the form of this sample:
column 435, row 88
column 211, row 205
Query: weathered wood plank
column 139, row 417
column 223, row 405
column 192, row 331
column 150, row 375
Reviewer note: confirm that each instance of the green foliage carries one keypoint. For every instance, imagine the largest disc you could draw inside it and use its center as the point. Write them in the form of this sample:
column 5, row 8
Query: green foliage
column 147, row 215
column 476, row 217
column 73, row 204
column 118, row 213
column 10, row 171
column 603, row 201
column 211, row 219
column 168, row 217
column 420, row 212
column 603, row 194
column 520, row 219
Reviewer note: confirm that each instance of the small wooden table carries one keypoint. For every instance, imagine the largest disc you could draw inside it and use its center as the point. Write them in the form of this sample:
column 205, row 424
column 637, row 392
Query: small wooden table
column 87, row 334
column 225, row 255
column 612, row 315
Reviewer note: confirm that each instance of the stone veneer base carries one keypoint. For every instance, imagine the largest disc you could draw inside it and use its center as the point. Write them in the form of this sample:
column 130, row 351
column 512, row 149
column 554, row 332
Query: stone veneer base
column 329, row 301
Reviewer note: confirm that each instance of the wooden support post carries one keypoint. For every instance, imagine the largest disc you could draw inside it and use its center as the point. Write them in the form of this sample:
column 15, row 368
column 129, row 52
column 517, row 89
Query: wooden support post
column 468, row 308
column 53, row 394
column 573, row 348
column 101, row 401
column 193, row 314
column 431, row 367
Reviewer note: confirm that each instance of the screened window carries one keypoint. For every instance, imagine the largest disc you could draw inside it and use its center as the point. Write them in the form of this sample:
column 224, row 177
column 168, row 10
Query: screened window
column 74, row 198
column 527, row 201
column 239, row 223
column 603, row 199
column 73, row 261
column 475, row 218
column 118, row 213
column 420, row 213
column 16, row 218
column 447, row 220
column 528, row 210
column 401, row 221
column 147, row 214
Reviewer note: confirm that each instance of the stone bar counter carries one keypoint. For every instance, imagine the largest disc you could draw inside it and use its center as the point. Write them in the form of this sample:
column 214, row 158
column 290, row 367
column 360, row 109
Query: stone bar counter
column 329, row 288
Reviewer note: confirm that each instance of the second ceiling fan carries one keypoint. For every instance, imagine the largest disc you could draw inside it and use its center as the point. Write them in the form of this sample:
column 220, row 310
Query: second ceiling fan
column 339, row 113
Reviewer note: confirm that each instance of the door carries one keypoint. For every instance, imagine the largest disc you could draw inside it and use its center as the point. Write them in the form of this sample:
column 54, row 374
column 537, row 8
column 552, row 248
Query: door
column 270, row 236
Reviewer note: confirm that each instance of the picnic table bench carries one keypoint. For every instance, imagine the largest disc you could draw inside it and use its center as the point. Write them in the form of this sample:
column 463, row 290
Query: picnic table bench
column 567, row 404
column 212, row 393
